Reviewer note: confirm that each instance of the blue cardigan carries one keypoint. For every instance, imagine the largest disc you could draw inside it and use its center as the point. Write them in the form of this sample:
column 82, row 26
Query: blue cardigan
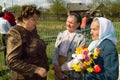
column 108, row 60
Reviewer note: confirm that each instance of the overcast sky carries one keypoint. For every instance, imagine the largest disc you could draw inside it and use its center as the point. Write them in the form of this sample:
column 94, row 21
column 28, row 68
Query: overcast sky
column 42, row 3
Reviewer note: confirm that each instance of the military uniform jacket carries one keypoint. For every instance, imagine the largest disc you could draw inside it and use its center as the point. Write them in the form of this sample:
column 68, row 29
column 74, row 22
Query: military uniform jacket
column 25, row 52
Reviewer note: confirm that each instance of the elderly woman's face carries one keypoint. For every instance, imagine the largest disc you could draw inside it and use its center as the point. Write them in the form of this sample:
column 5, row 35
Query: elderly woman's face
column 94, row 30
column 71, row 23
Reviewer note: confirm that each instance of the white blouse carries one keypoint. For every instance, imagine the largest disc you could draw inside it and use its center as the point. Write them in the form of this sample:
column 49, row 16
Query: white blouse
column 67, row 38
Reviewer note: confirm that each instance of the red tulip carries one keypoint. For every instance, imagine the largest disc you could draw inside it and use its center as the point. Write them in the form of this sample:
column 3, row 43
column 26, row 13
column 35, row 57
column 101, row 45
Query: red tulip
column 97, row 69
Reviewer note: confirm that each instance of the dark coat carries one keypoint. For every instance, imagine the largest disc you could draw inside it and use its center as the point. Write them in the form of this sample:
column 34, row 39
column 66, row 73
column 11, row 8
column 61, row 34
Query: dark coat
column 25, row 52
column 108, row 60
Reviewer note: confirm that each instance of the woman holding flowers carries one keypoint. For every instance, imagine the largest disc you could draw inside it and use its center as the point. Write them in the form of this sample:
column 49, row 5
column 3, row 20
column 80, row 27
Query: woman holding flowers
column 65, row 46
column 105, row 66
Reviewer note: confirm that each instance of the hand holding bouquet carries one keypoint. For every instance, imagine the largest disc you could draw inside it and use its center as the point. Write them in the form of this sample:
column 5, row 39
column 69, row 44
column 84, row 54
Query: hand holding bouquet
column 87, row 57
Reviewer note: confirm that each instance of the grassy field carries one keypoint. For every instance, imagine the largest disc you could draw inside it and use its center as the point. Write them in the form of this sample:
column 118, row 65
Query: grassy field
column 48, row 31
column 117, row 28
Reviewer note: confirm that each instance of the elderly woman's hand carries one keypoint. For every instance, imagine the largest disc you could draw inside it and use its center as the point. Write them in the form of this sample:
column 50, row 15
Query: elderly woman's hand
column 82, row 66
column 58, row 72
column 41, row 71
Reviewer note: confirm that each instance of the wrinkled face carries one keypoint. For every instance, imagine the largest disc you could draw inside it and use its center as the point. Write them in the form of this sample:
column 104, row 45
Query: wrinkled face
column 94, row 30
column 71, row 23
column 31, row 22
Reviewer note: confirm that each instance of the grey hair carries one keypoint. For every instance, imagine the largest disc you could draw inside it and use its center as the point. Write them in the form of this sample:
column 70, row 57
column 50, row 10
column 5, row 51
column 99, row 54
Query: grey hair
column 96, row 19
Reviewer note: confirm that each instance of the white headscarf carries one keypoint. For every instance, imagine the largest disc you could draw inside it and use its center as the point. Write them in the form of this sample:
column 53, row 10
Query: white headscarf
column 106, row 31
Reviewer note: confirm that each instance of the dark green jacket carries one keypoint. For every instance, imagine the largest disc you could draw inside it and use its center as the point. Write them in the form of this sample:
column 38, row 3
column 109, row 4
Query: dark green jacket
column 108, row 60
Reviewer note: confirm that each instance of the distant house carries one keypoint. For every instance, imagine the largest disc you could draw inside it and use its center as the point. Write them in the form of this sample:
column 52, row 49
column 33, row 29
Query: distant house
column 99, row 10
column 77, row 7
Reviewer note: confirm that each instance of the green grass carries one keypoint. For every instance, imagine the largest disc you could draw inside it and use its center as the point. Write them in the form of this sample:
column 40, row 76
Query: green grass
column 4, row 71
column 51, row 29
column 51, row 73
column 117, row 28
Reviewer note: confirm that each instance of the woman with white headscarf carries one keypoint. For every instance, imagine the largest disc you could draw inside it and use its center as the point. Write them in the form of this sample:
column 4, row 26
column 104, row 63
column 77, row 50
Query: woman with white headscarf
column 103, row 36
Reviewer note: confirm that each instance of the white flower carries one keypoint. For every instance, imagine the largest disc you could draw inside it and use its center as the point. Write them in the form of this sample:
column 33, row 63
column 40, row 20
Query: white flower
column 79, row 56
column 74, row 55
